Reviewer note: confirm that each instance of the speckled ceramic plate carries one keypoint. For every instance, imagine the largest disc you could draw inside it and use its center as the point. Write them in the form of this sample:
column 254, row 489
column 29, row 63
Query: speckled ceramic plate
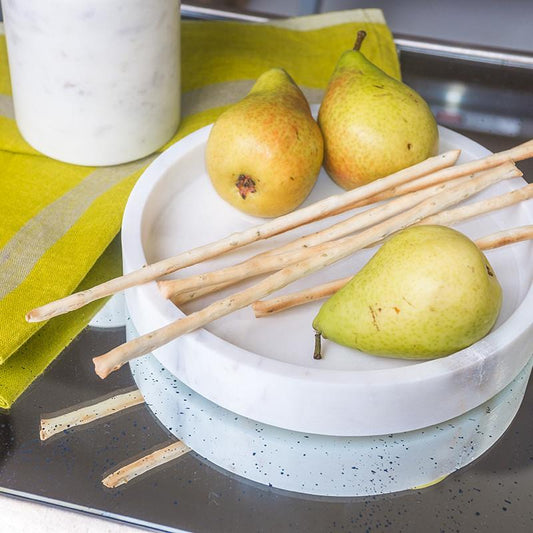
column 263, row 368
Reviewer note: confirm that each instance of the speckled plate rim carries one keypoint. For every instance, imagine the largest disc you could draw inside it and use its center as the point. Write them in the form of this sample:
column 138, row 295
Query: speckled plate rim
column 481, row 367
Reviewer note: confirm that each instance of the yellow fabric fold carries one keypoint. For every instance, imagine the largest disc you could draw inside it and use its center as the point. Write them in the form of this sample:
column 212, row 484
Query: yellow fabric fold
column 57, row 219
column 32, row 358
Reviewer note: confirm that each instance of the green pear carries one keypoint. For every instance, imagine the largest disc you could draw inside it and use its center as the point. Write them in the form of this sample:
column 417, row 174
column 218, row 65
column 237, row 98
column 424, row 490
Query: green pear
column 264, row 153
column 427, row 292
column 373, row 125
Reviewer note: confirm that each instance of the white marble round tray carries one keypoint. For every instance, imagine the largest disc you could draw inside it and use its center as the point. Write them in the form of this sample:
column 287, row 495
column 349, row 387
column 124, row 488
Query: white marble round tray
column 318, row 464
column 263, row 368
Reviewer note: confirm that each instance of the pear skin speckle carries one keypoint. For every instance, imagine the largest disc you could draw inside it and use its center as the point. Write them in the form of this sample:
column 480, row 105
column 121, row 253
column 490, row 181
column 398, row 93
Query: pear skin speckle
column 373, row 125
column 264, row 153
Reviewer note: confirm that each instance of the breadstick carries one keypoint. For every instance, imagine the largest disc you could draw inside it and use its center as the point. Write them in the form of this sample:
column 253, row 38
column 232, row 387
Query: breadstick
column 146, row 463
column 452, row 216
column 264, row 308
column 296, row 250
column 318, row 210
column 505, row 237
column 189, row 296
column 78, row 417
column 318, row 257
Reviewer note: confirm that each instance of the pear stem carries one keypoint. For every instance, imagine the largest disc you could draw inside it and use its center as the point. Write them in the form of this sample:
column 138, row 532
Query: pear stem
column 318, row 346
column 361, row 34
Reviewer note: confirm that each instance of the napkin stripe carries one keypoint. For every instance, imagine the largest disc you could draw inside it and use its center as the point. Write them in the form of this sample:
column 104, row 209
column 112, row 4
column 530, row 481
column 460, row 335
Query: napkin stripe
column 6, row 106
column 226, row 93
column 23, row 251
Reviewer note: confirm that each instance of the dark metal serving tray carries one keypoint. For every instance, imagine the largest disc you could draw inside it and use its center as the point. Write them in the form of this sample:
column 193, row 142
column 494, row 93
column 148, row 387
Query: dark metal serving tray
column 492, row 97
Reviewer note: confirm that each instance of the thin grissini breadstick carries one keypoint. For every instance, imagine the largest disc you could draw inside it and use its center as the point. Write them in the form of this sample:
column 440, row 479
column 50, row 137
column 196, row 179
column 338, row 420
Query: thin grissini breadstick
column 451, row 216
column 412, row 186
column 518, row 153
column 264, row 308
column 505, row 237
column 318, row 210
column 296, row 250
column 319, row 257
column 78, row 417
column 189, row 296
column 289, row 253
column 144, row 464
column 274, row 305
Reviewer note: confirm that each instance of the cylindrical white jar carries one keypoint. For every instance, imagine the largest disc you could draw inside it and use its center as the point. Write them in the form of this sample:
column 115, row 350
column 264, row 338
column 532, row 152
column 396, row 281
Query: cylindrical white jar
column 95, row 82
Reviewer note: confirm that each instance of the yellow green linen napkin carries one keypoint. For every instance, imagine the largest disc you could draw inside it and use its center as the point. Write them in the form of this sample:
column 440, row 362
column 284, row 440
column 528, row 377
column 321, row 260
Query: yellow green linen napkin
column 57, row 219
column 29, row 361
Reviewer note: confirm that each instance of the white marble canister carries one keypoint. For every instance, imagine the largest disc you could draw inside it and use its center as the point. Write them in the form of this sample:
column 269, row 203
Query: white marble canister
column 95, row 82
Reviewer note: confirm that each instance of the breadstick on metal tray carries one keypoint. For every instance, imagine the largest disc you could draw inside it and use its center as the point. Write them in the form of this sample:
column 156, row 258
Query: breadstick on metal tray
column 84, row 415
column 318, row 257
column 144, row 464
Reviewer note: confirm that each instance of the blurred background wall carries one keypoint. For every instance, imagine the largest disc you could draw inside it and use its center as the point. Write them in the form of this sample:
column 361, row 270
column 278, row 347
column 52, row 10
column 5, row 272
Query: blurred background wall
column 494, row 23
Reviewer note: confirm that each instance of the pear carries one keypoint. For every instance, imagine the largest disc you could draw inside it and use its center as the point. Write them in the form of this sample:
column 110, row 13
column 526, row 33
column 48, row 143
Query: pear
column 264, row 153
column 428, row 292
column 373, row 125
